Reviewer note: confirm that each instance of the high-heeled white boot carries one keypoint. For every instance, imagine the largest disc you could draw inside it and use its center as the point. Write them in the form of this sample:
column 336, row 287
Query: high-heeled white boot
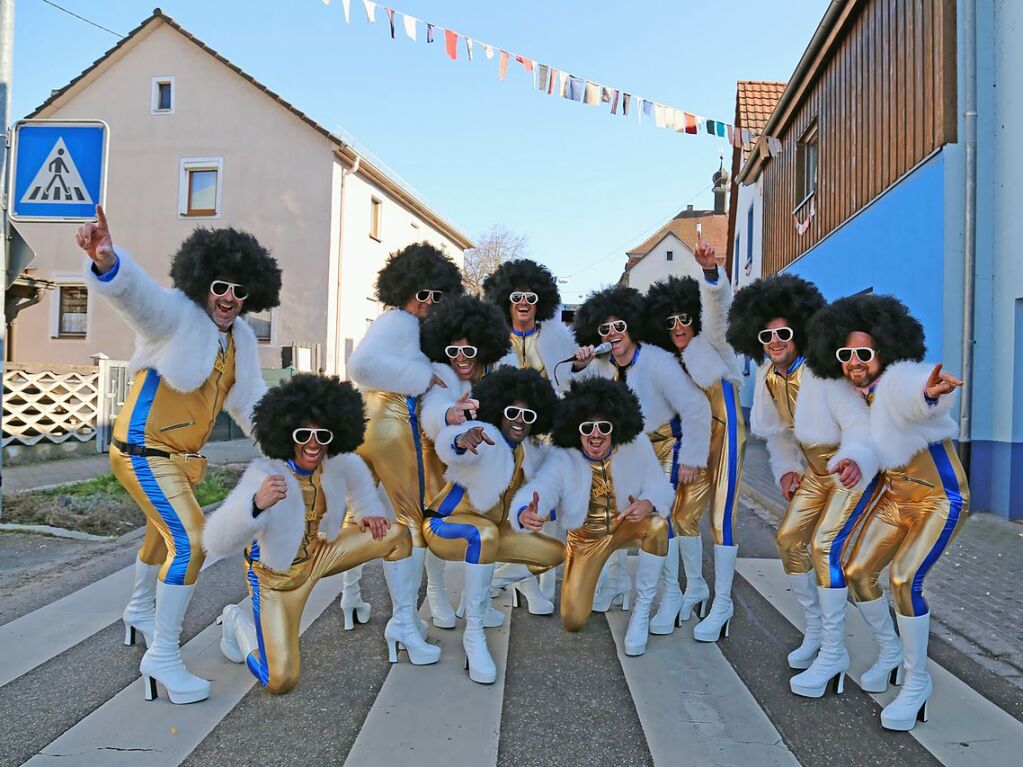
column 697, row 594
column 352, row 605
column 440, row 606
column 237, row 634
column 492, row 617
column 548, row 583
column 887, row 668
column 647, row 572
column 715, row 625
column 140, row 613
column 402, row 631
column 536, row 602
column 613, row 585
column 667, row 616
column 478, row 661
column 832, row 660
column 804, row 586
column 910, row 706
column 505, row 574
column 162, row 661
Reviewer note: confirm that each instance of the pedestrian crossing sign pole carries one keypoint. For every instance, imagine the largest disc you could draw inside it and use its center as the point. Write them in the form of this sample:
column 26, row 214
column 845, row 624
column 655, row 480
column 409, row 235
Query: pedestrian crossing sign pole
column 59, row 170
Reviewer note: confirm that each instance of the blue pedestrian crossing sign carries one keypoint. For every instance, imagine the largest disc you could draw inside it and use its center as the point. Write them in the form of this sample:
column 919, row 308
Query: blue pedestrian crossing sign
column 59, row 171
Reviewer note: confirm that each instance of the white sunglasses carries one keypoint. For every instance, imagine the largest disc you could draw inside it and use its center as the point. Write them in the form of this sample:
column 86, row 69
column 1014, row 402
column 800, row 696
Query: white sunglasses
column 434, row 296
column 220, row 287
column 469, row 352
column 679, row 319
column 519, row 296
column 784, row 334
column 863, row 353
column 303, row 435
column 512, row 413
column 619, row 326
column 586, row 428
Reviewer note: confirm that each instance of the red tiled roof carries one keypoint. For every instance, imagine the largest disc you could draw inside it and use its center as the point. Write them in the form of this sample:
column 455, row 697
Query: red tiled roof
column 713, row 225
column 754, row 102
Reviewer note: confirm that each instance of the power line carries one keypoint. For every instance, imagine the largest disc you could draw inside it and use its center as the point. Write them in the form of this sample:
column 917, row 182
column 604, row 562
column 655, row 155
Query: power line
column 82, row 18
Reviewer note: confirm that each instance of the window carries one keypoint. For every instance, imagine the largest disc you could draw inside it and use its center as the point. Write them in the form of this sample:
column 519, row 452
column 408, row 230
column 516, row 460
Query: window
column 262, row 325
column 72, row 311
column 670, row 255
column 200, row 186
column 375, row 209
column 749, row 240
column 735, row 260
column 806, row 165
column 162, row 97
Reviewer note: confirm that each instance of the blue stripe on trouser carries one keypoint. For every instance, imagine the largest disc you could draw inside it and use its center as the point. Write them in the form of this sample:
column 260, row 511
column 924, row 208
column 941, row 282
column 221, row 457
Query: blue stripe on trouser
column 950, row 483
column 836, row 575
column 144, row 474
column 676, row 432
column 257, row 663
column 452, row 530
column 413, row 420
column 733, row 461
column 451, row 500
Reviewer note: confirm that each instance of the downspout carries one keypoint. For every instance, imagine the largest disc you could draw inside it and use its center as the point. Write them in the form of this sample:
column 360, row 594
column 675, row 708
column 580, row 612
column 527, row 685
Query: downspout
column 969, row 226
column 338, row 346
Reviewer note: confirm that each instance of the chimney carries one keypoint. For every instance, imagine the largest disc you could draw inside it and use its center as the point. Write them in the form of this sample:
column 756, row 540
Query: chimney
column 720, row 189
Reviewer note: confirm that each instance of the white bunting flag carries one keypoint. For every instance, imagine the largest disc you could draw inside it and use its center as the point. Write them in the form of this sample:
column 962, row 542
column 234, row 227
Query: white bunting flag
column 489, row 50
column 371, row 11
column 347, row 6
column 410, row 26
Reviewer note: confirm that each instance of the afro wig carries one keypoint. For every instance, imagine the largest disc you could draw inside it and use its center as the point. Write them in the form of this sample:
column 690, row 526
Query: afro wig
column 782, row 296
column 523, row 274
column 417, row 267
column 482, row 324
column 308, row 398
column 619, row 301
column 597, row 399
column 675, row 295
column 230, row 255
column 897, row 334
column 506, row 385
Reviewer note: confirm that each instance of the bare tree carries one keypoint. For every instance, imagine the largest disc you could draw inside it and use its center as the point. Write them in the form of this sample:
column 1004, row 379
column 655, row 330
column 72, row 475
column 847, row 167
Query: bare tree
column 496, row 246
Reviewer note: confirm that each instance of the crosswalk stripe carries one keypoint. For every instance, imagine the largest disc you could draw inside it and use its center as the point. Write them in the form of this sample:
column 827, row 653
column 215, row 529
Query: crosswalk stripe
column 435, row 715
column 131, row 732
column 692, row 704
column 965, row 728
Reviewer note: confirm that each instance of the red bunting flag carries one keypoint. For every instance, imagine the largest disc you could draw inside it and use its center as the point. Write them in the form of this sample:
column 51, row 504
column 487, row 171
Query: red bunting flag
column 451, row 43
column 690, row 122
column 502, row 65
column 527, row 64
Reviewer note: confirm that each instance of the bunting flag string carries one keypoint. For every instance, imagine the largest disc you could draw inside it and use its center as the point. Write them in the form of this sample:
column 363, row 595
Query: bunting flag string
column 549, row 80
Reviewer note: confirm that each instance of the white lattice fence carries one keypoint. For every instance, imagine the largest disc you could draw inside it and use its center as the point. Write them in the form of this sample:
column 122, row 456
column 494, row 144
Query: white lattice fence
column 49, row 403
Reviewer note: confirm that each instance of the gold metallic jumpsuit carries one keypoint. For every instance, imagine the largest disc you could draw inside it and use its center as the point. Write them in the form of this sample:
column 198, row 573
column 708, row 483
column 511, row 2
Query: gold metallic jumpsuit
column 179, row 423
column 401, row 457
column 590, row 545
column 822, row 514
column 456, row 531
column 524, row 345
column 278, row 598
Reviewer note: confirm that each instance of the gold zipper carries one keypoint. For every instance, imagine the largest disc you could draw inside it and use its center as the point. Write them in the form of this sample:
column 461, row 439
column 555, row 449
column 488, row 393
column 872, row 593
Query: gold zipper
column 181, row 425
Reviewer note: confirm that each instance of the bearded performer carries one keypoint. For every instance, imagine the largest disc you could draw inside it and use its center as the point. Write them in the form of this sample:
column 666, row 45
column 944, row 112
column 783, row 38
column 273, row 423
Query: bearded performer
column 611, row 494
column 825, row 423
column 194, row 356
column 288, row 513
column 393, row 374
column 471, row 520
column 879, row 348
column 528, row 293
column 464, row 338
column 676, row 415
column 689, row 318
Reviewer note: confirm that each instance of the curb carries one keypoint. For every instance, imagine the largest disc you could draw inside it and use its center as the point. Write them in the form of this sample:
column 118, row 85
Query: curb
column 77, row 535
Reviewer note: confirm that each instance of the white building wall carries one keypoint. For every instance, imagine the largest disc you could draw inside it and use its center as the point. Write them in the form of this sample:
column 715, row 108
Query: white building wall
column 744, row 268
column 655, row 265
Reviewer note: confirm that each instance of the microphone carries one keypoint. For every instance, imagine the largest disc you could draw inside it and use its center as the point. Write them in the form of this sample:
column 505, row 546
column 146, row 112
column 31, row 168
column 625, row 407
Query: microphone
column 599, row 351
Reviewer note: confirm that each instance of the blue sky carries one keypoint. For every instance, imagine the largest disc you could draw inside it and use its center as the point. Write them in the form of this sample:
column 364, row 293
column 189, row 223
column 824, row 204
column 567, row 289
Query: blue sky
column 581, row 184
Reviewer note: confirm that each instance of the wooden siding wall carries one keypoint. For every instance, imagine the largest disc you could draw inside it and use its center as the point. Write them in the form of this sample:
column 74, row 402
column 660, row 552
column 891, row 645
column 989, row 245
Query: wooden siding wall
column 885, row 98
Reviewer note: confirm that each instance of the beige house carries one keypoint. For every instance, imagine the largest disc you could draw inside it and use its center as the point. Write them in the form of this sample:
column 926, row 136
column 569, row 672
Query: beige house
column 195, row 141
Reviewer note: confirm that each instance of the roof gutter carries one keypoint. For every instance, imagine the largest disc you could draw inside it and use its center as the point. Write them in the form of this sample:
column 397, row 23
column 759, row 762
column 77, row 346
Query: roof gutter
column 827, row 30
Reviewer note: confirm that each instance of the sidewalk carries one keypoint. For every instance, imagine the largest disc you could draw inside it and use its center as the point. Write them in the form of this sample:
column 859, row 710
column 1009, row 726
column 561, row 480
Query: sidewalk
column 974, row 603
column 36, row 476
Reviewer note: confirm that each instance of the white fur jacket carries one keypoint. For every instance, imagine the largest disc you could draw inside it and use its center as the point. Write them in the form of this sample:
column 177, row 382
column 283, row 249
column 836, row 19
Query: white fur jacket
column 828, row 412
column 347, row 484
column 664, row 390
column 564, row 481
column 902, row 421
column 708, row 358
column 488, row 473
column 175, row 336
column 554, row 344
column 439, row 399
column 389, row 358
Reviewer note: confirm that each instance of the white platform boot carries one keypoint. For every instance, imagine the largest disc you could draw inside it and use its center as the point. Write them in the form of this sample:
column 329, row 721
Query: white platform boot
column 888, row 668
column 832, row 660
column 696, row 598
column 476, row 594
column 436, row 593
column 140, row 613
column 648, row 571
column 613, row 585
column 237, row 634
column 402, row 631
column 804, row 586
column 910, row 706
column 715, row 625
column 667, row 617
column 548, row 584
column 352, row 605
column 162, row 661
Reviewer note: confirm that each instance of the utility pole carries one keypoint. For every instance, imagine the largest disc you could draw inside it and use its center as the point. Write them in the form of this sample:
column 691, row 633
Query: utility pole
column 6, row 77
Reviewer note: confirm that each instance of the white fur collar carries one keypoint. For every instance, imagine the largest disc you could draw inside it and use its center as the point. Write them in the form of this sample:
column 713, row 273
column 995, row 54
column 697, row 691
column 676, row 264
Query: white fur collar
column 903, row 422
column 389, row 357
